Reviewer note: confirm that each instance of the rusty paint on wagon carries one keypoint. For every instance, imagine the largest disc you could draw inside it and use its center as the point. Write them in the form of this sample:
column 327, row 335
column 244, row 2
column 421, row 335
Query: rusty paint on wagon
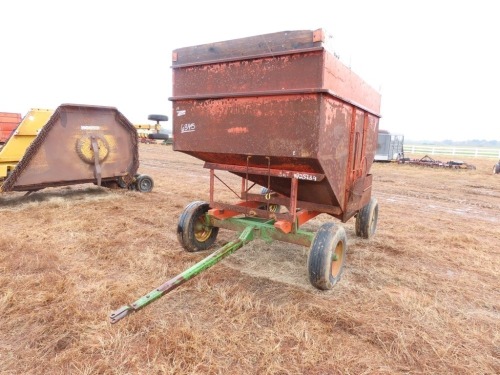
column 238, row 130
column 303, row 111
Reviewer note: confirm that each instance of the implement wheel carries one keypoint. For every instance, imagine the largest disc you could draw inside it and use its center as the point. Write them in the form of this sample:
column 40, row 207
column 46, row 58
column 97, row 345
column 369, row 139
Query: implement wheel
column 160, row 136
column 326, row 256
column 158, row 117
column 366, row 219
column 192, row 230
column 144, row 183
column 121, row 182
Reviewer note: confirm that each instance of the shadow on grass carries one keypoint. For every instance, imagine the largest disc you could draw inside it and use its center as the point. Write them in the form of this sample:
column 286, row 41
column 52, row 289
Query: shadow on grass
column 46, row 195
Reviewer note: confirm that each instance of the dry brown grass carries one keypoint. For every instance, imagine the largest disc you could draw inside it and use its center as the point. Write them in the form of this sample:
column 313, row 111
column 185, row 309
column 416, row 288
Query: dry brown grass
column 421, row 297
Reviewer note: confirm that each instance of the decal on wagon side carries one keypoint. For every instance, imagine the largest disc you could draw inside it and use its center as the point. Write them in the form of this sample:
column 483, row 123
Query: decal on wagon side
column 187, row 128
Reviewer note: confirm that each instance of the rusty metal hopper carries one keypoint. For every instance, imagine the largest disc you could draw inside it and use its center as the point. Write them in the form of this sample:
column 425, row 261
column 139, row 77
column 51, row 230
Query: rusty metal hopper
column 279, row 102
column 78, row 144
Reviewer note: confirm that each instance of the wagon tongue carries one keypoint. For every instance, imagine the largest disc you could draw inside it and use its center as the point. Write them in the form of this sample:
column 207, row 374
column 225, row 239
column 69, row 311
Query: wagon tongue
column 229, row 248
column 121, row 313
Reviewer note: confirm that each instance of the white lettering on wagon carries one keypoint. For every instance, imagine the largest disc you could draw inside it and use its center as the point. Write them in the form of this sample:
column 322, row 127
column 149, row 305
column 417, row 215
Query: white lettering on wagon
column 187, row 128
column 305, row 176
column 90, row 127
column 181, row 112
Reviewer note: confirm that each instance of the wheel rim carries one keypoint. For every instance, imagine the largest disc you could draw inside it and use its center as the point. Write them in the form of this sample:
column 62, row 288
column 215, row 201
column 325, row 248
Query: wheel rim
column 145, row 184
column 201, row 231
column 85, row 151
column 273, row 207
column 337, row 259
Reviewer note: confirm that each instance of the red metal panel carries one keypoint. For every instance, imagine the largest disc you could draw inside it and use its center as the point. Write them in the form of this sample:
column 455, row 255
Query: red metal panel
column 285, row 127
column 8, row 122
column 10, row 117
column 342, row 81
column 287, row 72
column 299, row 108
column 266, row 172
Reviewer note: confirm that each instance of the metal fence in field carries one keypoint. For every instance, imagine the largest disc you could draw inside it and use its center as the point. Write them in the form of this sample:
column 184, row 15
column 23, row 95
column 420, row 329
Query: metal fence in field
column 453, row 150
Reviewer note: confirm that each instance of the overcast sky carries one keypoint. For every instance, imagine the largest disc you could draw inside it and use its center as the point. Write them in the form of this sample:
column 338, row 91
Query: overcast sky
column 436, row 63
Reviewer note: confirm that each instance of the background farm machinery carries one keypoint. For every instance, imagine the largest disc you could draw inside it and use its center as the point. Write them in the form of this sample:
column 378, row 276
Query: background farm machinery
column 427, row 161
column 279, row 111
column 72, row 145
column 390, row 147
column 8, row 122
column 152, row 133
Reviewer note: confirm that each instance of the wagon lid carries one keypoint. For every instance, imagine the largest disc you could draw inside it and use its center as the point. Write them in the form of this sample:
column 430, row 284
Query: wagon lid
column 273, row 44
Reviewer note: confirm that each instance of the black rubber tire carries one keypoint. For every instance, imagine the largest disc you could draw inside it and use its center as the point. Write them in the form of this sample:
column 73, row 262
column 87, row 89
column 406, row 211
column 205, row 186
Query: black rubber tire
column 192, row 233
column 325, row 262
column 159, row 136
column 366, row 219
column 144, row 183
column 496, row 168
column 121, row 182
column 158, row 117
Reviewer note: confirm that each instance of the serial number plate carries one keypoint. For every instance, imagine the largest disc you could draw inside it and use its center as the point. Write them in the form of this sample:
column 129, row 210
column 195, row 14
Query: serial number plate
column 305, row 176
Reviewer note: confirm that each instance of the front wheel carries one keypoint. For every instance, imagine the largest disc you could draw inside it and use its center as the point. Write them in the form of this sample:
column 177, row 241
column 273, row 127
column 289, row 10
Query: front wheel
column 193, row 232
column 326, row 258
column 366, row 219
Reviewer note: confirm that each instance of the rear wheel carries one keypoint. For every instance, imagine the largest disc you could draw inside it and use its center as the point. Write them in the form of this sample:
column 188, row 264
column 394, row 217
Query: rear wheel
column 326, row 256
column 366, row 219
column 193, row 232
column 144, row 183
